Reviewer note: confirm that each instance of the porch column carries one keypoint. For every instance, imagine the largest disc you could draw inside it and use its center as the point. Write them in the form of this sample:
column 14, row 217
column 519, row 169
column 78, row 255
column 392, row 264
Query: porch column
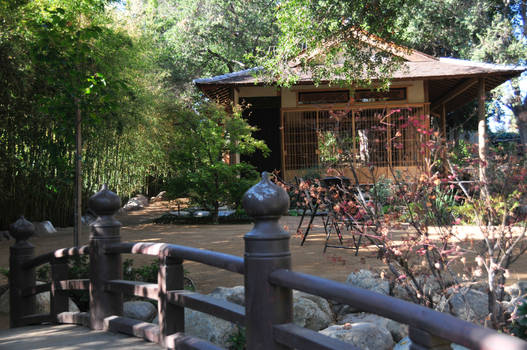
column 482, row 137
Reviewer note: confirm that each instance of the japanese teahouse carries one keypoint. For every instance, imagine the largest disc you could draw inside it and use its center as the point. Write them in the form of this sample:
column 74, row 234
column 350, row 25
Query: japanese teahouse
column 292, row 120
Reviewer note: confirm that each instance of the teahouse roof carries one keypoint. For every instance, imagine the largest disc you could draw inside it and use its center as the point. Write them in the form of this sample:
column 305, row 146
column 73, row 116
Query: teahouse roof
column 453, row 81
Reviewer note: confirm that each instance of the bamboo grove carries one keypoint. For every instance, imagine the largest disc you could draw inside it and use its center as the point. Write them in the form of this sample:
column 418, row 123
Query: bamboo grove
column 53, row 61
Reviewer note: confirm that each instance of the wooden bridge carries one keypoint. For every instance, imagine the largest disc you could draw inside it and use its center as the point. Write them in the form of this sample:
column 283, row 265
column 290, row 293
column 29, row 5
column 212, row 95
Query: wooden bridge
column 269, row 281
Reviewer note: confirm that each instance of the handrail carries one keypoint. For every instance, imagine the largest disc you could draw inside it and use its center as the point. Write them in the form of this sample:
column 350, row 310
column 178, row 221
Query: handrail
column 59, row 253
column 221, row 260
column 440, row 324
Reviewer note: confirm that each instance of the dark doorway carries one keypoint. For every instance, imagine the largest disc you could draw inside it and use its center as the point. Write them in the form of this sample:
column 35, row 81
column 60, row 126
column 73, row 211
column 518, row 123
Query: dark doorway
column 264, row 113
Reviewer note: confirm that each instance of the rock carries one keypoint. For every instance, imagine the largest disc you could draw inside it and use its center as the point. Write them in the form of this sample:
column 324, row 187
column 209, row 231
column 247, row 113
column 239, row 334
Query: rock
column 201, row 213
column 161, row 196
column 397, row 330
column 429, row 285
column 42, row 301
column 322, row 303
column 364, row 335
column 467, row 304
column 208, row 327
column 364, row 279
column 368, row 280
column 518, row 289
column 139, row 310
column 306, row 313
column 44, row 228
column 136, row 203
column 4, row 235
column 309, row 311
column 234, row 295
column 405, row 343
column 179, row 213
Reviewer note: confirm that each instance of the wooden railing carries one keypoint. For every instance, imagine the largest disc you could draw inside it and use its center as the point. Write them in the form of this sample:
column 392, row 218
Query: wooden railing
column 269, row 281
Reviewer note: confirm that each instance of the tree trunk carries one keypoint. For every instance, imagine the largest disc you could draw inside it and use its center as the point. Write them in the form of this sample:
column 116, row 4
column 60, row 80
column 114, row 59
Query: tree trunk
column 521, row 120
column 214, row 214
column 482, row 138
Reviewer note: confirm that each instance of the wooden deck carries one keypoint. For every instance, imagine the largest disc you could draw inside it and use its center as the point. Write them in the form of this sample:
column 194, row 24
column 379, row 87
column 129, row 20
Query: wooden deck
column 68, row 337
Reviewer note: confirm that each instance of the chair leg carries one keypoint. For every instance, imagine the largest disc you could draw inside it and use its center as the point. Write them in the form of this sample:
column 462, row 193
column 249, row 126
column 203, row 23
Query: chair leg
column 311, row 219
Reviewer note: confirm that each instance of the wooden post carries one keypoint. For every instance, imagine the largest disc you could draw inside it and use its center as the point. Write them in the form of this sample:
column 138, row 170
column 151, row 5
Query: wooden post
column 104, row 267
column 443, row 121
column 171, row 317
column 266, row 249
column 20, row 278
column 59, row 297
column 482, row 138
column 422, row 340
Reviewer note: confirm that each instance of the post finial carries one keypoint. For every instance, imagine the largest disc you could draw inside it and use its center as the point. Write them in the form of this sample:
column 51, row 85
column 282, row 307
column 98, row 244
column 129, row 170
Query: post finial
column 104, row 202
column 265, row 199
column 21, row 230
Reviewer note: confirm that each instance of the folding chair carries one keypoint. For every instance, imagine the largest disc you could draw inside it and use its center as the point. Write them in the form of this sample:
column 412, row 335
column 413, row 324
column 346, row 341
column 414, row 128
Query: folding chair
column 309, row 203
column 340, row 218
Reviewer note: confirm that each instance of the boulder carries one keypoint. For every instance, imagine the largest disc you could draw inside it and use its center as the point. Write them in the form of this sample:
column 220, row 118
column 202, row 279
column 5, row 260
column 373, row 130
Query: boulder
column 4, row 235
column 179, row 213
column 397, row 330
column 234, row 295
column 405, row 343
column 136, row 203
column 309, row 311
column 88, row 218
column 518, row 289
column 44, row 228
column 139, row 310
column 42, row 301
column 363, row 335
column 366, row 279
column 467, row 304
column 306, row 313
column 210, row 328
column 322, row 303
column 161, row 196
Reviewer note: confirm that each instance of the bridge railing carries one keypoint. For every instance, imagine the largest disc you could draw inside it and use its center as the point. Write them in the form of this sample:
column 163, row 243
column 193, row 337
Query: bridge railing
column 268, row 279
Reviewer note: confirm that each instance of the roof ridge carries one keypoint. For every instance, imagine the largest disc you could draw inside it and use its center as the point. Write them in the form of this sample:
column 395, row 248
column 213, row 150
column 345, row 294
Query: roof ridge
column 226, row 76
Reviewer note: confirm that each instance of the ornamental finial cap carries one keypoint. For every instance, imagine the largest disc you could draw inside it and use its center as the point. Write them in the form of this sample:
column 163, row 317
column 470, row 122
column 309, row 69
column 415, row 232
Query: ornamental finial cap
column 21, row 230
column 104, row 202
column 265, row 199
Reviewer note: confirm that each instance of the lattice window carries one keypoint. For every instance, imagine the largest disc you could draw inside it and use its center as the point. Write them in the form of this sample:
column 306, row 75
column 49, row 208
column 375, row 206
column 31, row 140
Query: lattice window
column 380, row 137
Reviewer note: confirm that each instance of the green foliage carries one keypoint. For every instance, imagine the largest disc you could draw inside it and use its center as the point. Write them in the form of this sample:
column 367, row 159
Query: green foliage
column 519, row 323
column 327, row 39
column 149, row 272
column 238, row 341
column 145, row 273
column 205, row 136
column 205, row 38
column 78, row 268
column 236, row 218
column 58, row 58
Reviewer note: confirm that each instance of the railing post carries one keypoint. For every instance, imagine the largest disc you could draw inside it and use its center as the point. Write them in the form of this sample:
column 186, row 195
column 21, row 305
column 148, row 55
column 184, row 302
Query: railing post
column 20, row 278
column 171, row 317
column 422, row 340
column 59, row 298
column 104, row 267
column 266, row 250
